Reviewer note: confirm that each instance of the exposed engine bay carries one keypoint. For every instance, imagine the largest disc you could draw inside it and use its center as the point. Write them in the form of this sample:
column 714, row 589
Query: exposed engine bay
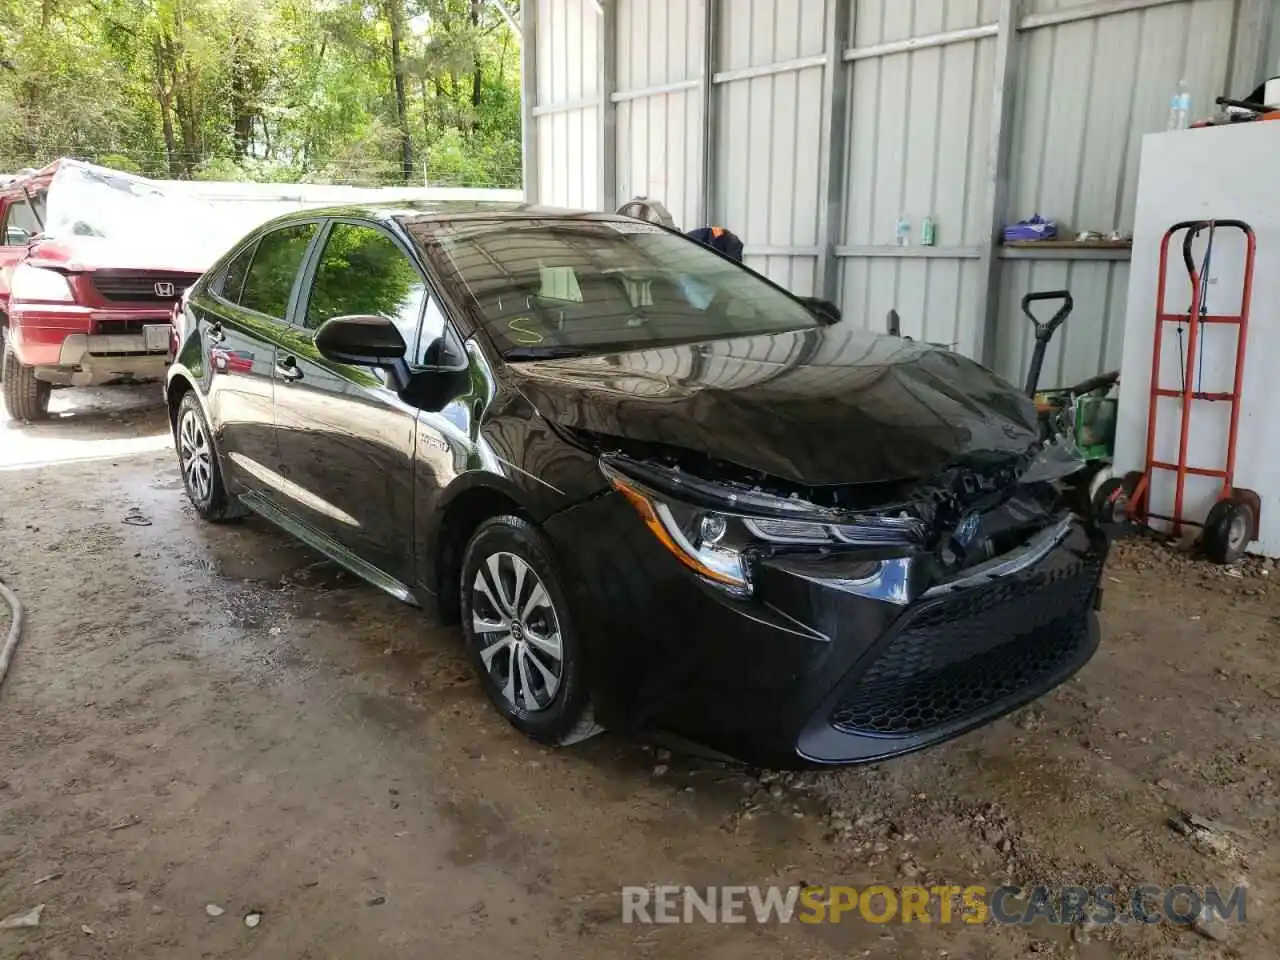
column 974, row 510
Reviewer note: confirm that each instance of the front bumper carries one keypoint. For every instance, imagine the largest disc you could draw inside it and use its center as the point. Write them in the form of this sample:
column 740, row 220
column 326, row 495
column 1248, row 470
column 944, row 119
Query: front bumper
column 816, row 668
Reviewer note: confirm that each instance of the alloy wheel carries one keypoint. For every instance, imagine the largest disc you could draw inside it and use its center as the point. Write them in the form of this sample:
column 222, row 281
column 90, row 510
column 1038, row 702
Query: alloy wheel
column 517, row 632
column 196, row 456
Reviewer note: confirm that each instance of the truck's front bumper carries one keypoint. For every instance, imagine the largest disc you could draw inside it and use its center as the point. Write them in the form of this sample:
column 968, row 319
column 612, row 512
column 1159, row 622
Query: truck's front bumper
column 60, row 342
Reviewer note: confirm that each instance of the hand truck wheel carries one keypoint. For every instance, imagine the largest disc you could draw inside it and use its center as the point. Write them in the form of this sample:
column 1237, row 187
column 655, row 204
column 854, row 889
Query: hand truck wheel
column 1227, row 531
column 1111, row 504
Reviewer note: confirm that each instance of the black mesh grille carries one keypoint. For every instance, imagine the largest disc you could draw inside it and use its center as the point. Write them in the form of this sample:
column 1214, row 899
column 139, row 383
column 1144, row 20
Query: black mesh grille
column 962, row 654
column 149, row 287
column 113, row 326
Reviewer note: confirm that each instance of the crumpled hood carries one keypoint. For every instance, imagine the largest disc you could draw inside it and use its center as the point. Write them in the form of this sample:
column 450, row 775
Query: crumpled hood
column 826, row 406
column 96, row 253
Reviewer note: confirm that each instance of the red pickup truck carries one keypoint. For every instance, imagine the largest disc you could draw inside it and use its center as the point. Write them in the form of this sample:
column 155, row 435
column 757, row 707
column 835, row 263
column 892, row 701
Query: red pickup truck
column 92, row 262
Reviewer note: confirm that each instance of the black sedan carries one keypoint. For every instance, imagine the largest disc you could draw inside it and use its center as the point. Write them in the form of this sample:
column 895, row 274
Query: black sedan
column 662, row 494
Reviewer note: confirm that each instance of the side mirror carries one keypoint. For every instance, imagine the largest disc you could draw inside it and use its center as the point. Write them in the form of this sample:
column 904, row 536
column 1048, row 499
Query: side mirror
column 824, row 310
column 367, row 341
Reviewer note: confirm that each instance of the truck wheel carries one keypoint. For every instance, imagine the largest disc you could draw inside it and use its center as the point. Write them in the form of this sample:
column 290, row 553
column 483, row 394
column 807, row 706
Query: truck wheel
column 25, row 397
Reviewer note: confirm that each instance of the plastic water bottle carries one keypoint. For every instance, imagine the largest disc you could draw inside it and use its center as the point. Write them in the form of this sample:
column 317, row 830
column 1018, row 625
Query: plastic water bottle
column 902, row 231
column 1180, row 107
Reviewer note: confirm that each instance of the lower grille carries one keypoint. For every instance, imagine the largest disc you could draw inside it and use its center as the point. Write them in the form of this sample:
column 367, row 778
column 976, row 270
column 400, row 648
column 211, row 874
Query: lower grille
column 149, row 287
column 120, row 326
column 961, row 654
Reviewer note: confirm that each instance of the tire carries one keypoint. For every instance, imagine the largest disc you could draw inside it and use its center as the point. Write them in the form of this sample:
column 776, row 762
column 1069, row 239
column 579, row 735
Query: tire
column 201, row 468
column 516, row 658
column 4, row 347
column 1228, row 530
column 25, row 397
column 1111, row 504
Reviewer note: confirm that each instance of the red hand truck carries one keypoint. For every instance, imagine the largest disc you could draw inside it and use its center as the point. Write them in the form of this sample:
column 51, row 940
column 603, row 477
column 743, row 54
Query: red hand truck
column 1232, row 523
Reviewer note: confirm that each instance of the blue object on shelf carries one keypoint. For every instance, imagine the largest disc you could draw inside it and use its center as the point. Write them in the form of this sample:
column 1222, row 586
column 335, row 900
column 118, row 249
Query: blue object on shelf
column 1035, row 228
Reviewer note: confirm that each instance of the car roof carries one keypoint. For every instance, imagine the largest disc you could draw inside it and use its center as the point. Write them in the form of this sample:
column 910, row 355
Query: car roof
column 411, row 212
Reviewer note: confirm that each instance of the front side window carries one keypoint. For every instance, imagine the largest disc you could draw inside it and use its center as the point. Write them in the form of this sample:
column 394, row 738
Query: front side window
column 553, row 287
column 269, row 282
column 21, row 224
column 362, row 271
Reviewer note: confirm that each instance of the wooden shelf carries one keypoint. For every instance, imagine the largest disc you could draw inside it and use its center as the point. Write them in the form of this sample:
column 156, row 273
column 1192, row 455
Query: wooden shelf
column 1070, row 244
column 1066, row 250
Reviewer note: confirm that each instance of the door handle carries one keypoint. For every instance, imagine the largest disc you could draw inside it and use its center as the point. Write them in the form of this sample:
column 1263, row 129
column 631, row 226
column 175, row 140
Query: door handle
column 215, row 333
column 287, row 369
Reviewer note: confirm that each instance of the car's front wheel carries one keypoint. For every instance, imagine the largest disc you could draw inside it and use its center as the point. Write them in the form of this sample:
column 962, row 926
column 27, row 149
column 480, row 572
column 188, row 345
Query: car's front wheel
column 201, row 472
column 25, row 397
column 520, row 632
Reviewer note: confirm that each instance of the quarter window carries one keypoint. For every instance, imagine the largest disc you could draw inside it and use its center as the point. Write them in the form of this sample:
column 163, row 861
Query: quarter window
column 275, row 264
column 362, row 271
column 233, row 277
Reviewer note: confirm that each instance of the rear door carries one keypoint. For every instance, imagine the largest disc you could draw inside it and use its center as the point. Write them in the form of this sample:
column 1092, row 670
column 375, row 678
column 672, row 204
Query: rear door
column 346, row 438
column 244, row 319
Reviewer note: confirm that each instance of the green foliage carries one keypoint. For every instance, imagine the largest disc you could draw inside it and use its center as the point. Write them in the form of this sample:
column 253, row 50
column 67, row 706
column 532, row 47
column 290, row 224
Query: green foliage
column 214, row 168
column 281, row 90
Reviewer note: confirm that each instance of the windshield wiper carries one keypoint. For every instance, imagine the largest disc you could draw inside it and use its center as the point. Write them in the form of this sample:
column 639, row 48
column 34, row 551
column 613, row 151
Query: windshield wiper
column 543, row 353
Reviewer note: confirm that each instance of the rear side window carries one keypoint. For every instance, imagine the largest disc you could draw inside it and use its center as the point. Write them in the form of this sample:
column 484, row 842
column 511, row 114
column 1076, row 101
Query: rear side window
column 233, row 277
column 274, row 268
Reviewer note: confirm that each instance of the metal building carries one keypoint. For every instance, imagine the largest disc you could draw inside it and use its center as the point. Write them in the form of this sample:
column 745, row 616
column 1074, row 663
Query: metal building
column 809, row 127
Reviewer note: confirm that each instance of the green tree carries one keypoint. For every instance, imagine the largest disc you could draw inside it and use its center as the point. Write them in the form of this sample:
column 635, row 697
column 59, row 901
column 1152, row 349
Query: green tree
column 318, row 90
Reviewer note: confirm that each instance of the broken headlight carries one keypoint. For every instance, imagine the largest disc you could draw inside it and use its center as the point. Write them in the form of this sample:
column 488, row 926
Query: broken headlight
column 706, row 542
column 869, row 531
column 714, row 544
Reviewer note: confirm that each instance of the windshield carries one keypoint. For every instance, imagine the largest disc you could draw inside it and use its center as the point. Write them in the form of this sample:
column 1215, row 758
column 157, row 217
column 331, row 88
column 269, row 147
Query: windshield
column 561, row 287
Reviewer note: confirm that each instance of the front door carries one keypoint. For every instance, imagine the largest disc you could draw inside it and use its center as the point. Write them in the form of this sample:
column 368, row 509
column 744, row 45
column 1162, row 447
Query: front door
column 241, row 321
column 18, row 224
column 346, row 439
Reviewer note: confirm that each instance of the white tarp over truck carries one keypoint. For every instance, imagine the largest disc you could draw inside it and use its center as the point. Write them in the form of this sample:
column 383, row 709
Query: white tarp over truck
column 189, row 224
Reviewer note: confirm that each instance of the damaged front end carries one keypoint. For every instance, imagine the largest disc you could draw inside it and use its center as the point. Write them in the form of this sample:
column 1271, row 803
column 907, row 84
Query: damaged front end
column 830, row 624
column 979, row 518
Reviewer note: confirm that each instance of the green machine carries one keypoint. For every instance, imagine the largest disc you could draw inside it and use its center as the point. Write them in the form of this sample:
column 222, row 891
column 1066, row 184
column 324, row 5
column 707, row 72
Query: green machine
column 1085, row 412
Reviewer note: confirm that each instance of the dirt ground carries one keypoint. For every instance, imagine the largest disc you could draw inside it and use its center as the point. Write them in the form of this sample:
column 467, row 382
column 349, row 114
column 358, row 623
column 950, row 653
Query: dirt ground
column 205, row 715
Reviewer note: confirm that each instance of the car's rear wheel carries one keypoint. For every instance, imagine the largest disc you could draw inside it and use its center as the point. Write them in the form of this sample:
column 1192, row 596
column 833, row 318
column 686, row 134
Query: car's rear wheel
column 25, row 397
column 201, row 471
column 520, row 632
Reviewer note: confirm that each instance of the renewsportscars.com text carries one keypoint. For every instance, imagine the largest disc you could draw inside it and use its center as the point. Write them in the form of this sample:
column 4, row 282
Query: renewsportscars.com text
column 975, row 904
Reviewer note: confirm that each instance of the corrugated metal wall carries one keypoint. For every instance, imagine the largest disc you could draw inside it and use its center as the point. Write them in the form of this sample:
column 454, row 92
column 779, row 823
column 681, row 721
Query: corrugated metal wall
column 918, row 137
column 568, row 40
column 830, row 119
column 658, row 155
column 1273, row 52
column 768, row 135
column 1088, row 91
